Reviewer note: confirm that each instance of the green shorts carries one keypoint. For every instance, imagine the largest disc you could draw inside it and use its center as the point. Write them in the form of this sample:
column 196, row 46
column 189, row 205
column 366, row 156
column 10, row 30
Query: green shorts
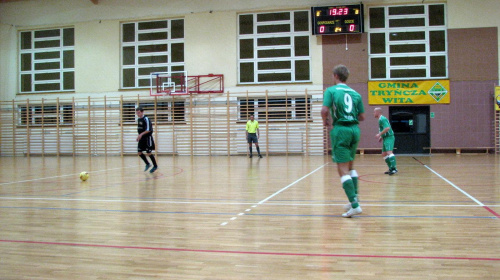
column 345, row 140
column 388, row 143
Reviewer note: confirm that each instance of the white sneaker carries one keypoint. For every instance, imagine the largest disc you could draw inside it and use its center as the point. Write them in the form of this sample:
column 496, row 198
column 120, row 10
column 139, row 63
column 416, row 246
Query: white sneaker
column 347, row 207
column 352, row 212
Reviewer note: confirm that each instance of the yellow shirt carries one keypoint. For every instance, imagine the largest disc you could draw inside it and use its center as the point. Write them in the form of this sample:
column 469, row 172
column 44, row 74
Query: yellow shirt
column 252, row 126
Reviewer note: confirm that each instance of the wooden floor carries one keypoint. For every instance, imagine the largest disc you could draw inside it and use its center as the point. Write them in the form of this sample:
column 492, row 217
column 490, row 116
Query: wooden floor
column 239, row 218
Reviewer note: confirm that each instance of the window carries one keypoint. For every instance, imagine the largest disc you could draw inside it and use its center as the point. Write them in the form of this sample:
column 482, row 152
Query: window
column 150, row 46
column 274, row 48
column 47, row 60
column 38, row 115
column 165, row 112
column 408, row 42
column 280, row 109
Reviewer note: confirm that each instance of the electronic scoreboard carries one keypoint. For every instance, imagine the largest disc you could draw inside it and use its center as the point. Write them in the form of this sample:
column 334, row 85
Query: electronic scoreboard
column 338, row 19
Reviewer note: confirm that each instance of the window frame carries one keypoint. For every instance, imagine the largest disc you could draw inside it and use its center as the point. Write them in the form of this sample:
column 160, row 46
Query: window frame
column 261, row 107
column 428, row 54
column 39, row 112
column 142, row 80
column 167, row 112
column 292, row 58
column 65, row 61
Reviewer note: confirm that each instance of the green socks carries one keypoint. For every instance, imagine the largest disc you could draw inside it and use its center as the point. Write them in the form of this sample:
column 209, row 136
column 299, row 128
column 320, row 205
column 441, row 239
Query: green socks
column 391, row 161
column 349, row 190
column 388, row 162
column 354, row 177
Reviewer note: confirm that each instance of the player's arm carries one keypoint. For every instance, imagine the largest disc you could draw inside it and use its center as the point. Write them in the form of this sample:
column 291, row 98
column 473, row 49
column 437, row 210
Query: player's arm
column 384, row 131
column 142, row 134
column 361, row 110
column 327, row 118
column 325, row 114
column 361, row 117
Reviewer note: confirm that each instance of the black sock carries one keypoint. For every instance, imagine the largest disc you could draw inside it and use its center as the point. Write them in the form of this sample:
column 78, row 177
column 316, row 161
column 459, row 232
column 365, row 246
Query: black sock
column 153, row 160
column 250, row 149
column 144, row 158
column 258, row 150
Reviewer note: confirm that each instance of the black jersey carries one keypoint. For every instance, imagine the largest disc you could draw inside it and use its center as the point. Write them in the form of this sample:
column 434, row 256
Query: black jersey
column 144, row 124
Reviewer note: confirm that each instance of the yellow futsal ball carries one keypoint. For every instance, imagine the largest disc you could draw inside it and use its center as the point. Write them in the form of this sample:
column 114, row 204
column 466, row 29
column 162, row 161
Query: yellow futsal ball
column 84, row 176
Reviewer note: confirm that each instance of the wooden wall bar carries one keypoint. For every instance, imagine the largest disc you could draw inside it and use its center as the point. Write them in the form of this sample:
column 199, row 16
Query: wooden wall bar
column 203, row 124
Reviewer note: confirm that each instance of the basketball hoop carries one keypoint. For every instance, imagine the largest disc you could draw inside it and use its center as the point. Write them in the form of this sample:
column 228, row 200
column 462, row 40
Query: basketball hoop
column 168, row 83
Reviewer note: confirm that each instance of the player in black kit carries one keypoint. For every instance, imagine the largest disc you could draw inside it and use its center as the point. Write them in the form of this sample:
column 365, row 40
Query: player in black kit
column 145, row 139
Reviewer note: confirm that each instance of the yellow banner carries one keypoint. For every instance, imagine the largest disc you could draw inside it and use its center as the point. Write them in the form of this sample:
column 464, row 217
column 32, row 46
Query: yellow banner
column 497, row 98
column 409, row 92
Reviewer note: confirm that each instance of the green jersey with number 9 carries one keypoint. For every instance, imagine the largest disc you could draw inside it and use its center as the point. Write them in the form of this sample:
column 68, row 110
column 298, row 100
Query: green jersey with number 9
column 345, row 104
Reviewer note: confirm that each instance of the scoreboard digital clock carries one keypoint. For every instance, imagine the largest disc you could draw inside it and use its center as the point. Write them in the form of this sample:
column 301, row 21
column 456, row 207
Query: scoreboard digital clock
column 339, row 19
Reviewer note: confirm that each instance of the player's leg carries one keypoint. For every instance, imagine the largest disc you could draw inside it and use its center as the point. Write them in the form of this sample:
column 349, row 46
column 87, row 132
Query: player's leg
column 341, row 139
column 250, row 144
column 153, row 160
column 151, row 148
column 352, row 172
column 390, row 155
column 392, row 162
column 257, row 146
column 385, row 155
column 141, row 147
column 354, row 147
column 348, row 186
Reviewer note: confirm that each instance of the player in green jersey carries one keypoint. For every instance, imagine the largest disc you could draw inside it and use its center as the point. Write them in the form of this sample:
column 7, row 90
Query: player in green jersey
column 345, row 106
column 386, row 136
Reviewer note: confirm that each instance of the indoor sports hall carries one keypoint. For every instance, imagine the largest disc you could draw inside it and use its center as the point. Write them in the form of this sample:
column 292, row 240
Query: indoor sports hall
column 74, row 72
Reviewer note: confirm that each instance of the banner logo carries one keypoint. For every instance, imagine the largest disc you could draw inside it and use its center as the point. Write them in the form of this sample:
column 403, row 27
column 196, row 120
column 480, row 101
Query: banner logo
column 437, row 92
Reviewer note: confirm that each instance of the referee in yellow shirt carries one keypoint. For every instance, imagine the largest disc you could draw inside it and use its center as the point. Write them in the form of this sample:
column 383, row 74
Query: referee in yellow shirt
column 253, row 135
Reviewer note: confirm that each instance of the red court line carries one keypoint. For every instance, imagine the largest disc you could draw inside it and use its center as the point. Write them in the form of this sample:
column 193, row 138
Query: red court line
column 246, row 252
column 491, row 211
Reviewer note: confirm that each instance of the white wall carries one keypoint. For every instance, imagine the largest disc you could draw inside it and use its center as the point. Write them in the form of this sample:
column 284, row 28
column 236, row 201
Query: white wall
column 211, row 44
column 97, row 56
column 8, row 61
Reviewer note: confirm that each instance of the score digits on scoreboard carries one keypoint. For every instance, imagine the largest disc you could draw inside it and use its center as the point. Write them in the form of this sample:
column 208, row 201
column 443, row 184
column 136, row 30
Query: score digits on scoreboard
column 340, row 19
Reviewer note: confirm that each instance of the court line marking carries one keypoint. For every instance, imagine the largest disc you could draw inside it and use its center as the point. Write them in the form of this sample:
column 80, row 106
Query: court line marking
column 60, row 176
column 282, row 190
column 296, row 181
column 238, row 203
column 459, row 189
column 232, row 214
column 247, row 252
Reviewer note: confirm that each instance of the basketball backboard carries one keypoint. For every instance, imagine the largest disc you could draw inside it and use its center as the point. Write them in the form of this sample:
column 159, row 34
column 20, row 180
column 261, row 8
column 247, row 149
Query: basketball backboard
column 168, row 83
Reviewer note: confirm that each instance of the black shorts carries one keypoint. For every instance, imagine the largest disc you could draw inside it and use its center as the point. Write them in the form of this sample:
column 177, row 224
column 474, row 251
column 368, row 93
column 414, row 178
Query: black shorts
column 147, row 144
column 252, row 138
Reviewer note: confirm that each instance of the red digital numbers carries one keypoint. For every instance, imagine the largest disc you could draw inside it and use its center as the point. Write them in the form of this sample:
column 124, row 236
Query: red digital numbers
column 338, row 11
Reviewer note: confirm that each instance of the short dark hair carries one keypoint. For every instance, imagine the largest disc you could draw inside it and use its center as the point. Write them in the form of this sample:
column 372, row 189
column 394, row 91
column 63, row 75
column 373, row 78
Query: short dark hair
column 342, row 72
column 139, row 109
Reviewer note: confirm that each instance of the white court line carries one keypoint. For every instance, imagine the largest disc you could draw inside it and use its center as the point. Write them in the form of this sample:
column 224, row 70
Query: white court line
column 124, row 201
column 60, row 176
column 455, row 186
column 296, row 181
column 276, row 193
column 233, row 203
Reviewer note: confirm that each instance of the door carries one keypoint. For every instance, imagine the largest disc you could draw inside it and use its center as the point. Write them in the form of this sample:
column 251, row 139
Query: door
column 411, row 126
